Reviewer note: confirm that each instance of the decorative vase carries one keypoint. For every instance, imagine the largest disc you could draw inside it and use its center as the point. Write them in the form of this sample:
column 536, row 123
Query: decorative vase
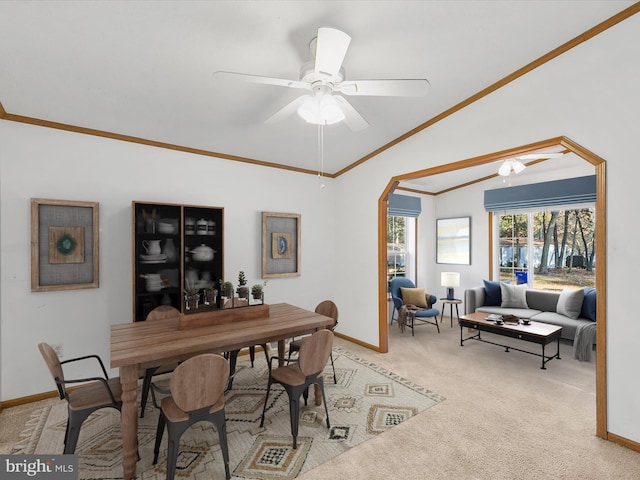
column 170, row 250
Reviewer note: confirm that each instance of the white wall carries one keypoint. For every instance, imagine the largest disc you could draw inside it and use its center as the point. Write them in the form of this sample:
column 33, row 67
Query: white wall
column 470, row 202
column 46, row 163
column 589, row 95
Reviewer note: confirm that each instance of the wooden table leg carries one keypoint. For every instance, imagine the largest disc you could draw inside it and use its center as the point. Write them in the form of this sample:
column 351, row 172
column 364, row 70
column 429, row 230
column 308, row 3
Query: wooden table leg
column 281, row 352
column 129, row 414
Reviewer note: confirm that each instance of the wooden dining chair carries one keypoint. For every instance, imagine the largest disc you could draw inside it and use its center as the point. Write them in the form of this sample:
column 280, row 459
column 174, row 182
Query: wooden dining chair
column 197, row 394
column 82, row 401
column 296, row 377
column 328, row 309
column 158, row 313
column 244, row 302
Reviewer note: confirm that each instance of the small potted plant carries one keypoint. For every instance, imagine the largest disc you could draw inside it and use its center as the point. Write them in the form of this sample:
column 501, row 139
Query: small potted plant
column 210, row 294
column 243, row 290
column 192, row 295
column 256, row 290
column 227, row 289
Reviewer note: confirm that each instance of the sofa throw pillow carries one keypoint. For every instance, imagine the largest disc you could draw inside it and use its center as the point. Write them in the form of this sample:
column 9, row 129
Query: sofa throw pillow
column 413, row 296
column 589, row 304
column 570, row 302
column 492, row 297
column 514, row 296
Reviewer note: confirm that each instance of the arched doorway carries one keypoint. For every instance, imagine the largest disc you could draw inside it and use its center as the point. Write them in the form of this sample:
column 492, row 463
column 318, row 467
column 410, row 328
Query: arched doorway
column 600, row 233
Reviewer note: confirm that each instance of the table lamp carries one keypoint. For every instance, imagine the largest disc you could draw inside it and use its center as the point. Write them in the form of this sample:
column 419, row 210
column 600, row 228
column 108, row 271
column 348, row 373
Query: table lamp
column 450, row 280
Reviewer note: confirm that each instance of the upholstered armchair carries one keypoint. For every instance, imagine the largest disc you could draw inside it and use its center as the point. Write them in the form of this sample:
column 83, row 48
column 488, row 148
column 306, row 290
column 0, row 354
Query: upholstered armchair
column 418, row 304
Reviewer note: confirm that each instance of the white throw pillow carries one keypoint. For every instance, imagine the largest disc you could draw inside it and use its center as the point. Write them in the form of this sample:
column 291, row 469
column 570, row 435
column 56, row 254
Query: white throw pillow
column 570, row 302
column 514, row 296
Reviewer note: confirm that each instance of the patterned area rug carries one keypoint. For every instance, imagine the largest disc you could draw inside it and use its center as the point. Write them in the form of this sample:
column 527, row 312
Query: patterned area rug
column 366, row 401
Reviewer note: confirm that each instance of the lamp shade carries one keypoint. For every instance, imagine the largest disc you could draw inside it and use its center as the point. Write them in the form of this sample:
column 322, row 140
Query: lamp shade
column 450, row 279
column 321, row 109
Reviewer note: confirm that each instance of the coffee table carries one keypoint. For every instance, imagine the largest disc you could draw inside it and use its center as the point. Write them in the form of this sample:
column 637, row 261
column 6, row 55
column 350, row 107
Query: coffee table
column 536, row 332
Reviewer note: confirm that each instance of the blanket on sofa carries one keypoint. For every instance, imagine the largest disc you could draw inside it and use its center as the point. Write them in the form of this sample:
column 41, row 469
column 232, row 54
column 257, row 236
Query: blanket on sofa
column 584, row 340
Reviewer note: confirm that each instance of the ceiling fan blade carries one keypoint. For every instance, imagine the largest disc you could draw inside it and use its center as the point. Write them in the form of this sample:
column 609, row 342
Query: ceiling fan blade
column 287, row 110
column 505, row 168
column 331, row 47
column 246, row 77
column 352, row 118
column 538, row 156
column 517, row 166
column 392, row 88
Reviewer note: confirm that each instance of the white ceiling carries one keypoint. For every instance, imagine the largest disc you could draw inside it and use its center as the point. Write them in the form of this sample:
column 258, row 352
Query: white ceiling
column 144, row 68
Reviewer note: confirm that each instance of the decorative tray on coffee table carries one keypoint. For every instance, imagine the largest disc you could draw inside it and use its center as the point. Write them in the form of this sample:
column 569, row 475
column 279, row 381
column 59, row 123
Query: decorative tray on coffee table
column 512, row 319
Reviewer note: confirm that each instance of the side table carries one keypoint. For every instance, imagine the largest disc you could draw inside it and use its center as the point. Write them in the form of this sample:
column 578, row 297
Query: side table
column 451, row 303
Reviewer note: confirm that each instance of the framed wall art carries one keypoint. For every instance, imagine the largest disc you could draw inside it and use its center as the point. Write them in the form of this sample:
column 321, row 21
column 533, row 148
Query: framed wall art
column 64, row 245
column 280, row 245
column 453, row 240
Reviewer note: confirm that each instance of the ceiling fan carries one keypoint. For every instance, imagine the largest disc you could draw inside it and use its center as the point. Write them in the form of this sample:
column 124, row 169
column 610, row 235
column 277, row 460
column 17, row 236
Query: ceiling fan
column 324, row 77
column 516, row 165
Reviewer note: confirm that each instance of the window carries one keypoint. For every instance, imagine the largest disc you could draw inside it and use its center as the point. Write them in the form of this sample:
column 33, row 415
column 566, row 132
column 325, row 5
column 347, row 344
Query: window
column 401, row 235
column 396, row 247
column 513, row 254
column 549, row 250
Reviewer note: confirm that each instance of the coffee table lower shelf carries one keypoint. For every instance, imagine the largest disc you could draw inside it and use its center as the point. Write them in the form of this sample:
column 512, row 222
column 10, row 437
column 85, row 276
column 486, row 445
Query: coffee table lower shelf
column 512, row 331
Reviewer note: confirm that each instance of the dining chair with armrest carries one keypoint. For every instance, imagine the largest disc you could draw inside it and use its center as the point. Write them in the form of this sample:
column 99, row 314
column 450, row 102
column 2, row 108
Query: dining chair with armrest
column 197, row 394
column 296, row 377
column 423, row 302
column 82, row 401
column 328, row 309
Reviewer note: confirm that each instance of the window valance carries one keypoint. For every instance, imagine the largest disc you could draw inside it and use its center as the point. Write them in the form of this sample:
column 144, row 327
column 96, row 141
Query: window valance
column 569, row 191
column 403, row 206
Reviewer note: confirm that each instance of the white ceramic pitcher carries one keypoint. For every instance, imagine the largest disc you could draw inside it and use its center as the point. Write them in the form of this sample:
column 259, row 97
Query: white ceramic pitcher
column 152, row 247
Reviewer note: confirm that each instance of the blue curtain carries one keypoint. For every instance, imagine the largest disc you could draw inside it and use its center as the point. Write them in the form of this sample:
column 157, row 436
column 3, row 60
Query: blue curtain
column 569, row 191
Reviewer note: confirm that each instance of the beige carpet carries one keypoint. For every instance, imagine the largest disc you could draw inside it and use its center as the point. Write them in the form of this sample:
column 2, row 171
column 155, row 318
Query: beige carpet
column 504, row 418
column 366, row 401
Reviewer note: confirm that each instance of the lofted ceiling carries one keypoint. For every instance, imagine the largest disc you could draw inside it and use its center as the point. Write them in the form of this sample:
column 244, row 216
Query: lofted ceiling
column 144, row 69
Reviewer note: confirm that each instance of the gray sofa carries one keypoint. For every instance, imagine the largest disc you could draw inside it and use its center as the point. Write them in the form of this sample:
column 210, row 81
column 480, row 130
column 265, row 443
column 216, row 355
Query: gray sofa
column 541, row 307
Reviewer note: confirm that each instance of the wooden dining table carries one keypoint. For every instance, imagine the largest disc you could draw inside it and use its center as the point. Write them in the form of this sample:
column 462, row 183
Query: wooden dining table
column 136, row 346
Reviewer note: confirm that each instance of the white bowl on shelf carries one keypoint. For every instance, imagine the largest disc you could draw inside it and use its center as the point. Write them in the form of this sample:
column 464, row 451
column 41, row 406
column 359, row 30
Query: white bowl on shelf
column 167, row 228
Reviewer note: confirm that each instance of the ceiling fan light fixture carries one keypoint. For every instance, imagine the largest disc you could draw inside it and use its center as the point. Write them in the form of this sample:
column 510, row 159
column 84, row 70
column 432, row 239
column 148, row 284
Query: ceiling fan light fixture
column 505, row 169
column 510, row 165
column 321, row 109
